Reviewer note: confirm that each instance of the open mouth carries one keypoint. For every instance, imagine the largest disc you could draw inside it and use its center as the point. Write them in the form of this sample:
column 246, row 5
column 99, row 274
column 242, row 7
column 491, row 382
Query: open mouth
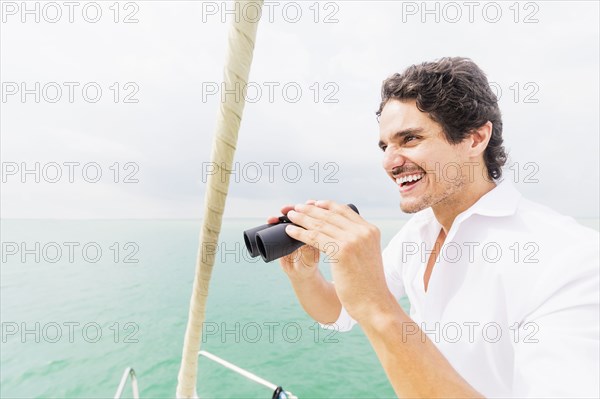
column 409, row 180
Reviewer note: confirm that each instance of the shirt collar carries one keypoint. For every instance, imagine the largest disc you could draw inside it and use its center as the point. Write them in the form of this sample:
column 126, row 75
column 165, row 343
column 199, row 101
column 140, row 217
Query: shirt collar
column 502, row 200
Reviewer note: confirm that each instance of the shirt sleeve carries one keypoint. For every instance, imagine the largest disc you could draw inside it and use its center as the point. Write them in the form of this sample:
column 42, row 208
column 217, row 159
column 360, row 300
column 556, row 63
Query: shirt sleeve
column 556, row 347
column 392, row 268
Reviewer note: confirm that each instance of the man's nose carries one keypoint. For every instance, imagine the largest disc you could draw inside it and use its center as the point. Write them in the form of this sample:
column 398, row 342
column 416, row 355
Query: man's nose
column 392, row 159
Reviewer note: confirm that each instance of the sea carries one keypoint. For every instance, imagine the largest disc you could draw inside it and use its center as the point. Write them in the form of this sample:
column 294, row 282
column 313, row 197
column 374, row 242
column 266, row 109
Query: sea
column 82, row 300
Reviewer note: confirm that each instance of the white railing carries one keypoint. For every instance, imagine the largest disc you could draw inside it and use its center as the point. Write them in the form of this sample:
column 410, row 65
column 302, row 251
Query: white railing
column 246, row 373
column 129, row 372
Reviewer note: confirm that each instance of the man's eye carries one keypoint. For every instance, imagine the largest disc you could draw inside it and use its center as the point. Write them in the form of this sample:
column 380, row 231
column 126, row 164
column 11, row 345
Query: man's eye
column 410, row 138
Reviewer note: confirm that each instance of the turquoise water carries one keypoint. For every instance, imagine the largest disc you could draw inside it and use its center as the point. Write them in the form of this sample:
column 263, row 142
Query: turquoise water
column 136, row 294
column 140, row 310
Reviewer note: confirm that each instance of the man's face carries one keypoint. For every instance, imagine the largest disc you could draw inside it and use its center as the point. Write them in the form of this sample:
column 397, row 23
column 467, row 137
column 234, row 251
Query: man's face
column 427, row 169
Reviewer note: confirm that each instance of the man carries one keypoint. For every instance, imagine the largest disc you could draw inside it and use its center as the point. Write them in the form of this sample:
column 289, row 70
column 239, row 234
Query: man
column 504, row 292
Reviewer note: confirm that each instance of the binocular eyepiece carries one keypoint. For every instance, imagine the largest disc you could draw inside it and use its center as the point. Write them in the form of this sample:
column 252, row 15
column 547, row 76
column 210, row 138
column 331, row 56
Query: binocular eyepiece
column 271, row 242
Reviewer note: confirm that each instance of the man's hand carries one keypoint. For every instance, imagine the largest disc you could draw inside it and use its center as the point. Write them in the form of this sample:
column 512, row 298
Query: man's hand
column 316, row 295
column 356, row 262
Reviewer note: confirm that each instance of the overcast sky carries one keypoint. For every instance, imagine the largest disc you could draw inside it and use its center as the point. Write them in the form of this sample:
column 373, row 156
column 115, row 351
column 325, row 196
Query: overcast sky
column 310, row 130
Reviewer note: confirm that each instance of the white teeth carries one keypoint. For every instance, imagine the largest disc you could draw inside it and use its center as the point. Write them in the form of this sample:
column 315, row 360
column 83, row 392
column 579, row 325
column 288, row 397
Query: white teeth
column 409, row 178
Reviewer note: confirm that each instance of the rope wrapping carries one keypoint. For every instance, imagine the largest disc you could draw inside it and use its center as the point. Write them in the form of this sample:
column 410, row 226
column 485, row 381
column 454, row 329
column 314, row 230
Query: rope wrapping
column 241, row 38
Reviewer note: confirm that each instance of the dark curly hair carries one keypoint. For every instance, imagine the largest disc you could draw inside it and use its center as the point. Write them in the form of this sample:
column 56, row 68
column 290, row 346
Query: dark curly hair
column 455, row 93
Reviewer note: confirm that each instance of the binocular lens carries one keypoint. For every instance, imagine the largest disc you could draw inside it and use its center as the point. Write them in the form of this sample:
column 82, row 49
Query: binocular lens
column 250, row 239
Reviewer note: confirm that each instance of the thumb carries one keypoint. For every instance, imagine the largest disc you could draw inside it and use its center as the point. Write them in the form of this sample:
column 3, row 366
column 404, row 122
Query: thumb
column 309, row 255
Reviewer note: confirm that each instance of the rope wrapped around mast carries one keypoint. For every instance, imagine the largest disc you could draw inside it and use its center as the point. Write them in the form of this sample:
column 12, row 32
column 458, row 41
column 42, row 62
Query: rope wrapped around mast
column 242, row 34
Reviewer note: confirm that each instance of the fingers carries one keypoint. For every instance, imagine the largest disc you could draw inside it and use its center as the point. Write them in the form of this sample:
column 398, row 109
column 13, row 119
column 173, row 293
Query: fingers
column 337, row 216
column 314, row 223
column 284, row 211
column 286, row 208
column 341, row 209
column 313, row 238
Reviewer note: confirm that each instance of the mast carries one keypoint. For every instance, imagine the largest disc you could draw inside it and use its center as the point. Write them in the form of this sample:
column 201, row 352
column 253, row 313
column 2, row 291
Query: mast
column 242, row 34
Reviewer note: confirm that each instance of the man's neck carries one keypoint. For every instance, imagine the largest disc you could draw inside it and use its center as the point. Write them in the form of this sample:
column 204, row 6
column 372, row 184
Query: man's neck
column 446, row 211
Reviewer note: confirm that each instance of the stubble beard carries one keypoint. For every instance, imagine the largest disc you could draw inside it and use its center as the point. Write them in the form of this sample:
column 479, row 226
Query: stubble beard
column 429, row 199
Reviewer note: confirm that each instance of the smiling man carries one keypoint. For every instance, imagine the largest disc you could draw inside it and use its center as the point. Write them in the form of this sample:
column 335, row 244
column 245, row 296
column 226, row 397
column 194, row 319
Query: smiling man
column 504, row 292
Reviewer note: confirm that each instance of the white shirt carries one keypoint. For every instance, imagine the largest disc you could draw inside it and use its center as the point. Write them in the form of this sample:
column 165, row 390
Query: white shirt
column 513, row 300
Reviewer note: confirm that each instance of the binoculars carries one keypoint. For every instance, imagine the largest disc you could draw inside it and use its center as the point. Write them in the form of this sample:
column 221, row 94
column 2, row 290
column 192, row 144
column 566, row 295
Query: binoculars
column 271, row 242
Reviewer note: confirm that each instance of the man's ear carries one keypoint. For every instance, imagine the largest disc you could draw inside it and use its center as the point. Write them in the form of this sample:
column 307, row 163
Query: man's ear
column 479, row 139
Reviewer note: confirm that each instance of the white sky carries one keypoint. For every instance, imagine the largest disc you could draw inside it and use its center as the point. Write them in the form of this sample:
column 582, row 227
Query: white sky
column 176, row 49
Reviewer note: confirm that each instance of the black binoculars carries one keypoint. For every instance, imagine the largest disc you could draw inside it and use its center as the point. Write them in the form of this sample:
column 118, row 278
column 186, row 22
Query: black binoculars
column 271, row 242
